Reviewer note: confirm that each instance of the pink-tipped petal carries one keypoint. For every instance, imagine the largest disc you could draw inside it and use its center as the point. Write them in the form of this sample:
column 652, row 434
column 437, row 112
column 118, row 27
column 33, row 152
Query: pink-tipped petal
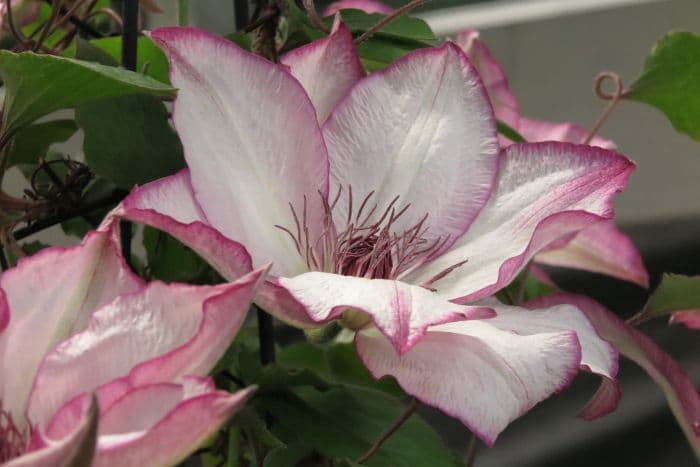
column 251, row 141
column 679, row 389
column 604, row 401
column 180, row 431
column 168, row 204
column 423, row 130
column 545, row 192
column 401, row 311
column 368, row 6
column 75, row 449
column 600, row 248
column 327, row 68
column 505, row 105
column 690, row 318
column 597, row 355
column 49, row 297
column 157, row 335
column 477, row 373
column 538, row 130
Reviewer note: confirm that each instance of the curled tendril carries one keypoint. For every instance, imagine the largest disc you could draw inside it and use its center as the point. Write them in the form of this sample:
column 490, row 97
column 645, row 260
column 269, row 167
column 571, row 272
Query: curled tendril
column 612, row 98
column 615, row 78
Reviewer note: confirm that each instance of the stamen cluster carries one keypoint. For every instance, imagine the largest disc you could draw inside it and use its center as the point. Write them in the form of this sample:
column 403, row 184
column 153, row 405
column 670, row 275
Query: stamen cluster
column 12, row 440
column 369, row 245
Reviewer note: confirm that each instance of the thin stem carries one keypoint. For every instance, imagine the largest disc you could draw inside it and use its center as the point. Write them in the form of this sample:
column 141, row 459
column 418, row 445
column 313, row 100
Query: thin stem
column 183, row 12
column 240, row 13
column 110, row 200
column 78, row 23
column 47, row 27
column 313, row 16
column 388, row 19
column 470, row 454
column 412, row 406
column 614, row 98
column 16, row 33
column 266, row 336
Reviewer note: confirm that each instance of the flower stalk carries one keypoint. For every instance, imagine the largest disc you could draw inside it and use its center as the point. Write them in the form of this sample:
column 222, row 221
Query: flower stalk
column 410, row 409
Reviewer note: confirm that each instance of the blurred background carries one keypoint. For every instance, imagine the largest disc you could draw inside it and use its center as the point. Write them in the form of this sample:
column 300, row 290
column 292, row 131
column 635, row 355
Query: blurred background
column 551, row 51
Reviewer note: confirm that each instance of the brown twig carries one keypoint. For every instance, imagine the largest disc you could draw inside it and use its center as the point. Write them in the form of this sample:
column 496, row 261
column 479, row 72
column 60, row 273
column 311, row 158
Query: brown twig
column 313, row 16
column 48, row 27
column 614, row 98
column 412, row 406
column 16, row 33
column 388, row 19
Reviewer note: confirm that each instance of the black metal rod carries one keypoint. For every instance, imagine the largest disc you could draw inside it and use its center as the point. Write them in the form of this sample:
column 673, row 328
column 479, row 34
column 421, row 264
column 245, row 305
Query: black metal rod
column 266, row 336
column 130, row 34
column 83, row 26
column 240, row 13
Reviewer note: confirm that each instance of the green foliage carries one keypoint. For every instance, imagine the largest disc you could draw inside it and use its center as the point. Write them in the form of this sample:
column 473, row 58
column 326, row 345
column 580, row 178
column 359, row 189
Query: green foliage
column 401, row 28
column 509, row 132
column 344, row 422
column 525, row 287
column 337, row 363
column 150, row 60
column 170, row 261
column 393, row 41
column 36, row 85
column 676, row 292
column 670, row 81
column 32, row 142
column 128, row 139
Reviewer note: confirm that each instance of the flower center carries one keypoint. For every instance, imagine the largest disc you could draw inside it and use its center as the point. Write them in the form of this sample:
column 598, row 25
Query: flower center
column 369, row 246
column 13, row 441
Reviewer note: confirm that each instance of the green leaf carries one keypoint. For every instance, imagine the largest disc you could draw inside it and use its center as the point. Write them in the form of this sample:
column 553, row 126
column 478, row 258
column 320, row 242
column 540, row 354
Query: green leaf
column 675, row 293
column 670, row 81
column 36, row 85
column 380, row 50
column 509, row 132
column 345, row 423
column 403, row 27
column 128, row 139
column 32, row 142
column 150, row 59
column 525, row 287
column 170, row 261
column 337, row 363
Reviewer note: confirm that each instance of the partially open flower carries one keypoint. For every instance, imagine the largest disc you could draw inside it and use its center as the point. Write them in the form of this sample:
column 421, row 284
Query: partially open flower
column 75, row 323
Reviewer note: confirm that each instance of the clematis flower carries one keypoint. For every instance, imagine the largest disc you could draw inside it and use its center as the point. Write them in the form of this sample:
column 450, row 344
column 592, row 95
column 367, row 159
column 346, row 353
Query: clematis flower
column 602, row 248
column 396, row 216
column 76, row 325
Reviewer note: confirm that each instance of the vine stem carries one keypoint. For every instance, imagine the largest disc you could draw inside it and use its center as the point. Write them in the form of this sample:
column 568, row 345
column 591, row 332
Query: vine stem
column 266, row 336
column 470, row 455
column 313, row 16
column 130, row 32
column 614, row 98
column 410, row 409
column 388, row 19
column 240, row 13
